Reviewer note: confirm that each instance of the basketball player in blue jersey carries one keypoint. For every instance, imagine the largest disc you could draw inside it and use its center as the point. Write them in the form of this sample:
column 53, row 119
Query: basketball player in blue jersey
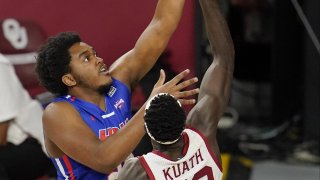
column 189, row 151
column 89, row 130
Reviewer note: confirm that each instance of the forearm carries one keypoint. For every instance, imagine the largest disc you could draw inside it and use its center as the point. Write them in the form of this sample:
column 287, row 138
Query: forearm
column 167, row 15
column 122, row 143
column 216, row 83
column 134, row 65
column 155, row 38
column 220, row 72
column 164, row 22
column 218, row 34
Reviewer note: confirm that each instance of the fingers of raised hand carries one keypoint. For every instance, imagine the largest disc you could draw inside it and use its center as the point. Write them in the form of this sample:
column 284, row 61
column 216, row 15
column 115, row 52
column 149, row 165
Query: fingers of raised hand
column 179, row 77
column 187, row 101
column 175, row 87
column 161, row 79
column 184, row 94
column 186, row 83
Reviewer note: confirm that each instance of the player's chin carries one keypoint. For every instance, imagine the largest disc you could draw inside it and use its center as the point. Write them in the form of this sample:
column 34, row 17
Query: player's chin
column 104, row 88
column 106, row 80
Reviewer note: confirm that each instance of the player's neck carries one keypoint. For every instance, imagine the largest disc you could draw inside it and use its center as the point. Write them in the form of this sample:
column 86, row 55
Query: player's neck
column 174, row 151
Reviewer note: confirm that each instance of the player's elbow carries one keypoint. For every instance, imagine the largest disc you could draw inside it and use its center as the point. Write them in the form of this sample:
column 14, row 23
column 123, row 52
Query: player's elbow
column 105, row 164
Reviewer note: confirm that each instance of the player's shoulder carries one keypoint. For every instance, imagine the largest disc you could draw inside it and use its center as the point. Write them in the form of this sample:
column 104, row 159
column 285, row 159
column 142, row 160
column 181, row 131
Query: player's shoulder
column 132, row 161
column 192, row 130
column 60, row 108
column 132, row 164
column 132, row 169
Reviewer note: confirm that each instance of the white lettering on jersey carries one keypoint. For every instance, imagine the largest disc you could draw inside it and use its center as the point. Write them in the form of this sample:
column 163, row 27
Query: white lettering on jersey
column 112, row 91
column 119, row 104
column 108, row 115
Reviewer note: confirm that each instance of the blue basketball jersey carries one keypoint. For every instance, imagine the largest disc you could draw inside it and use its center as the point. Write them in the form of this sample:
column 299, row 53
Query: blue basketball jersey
column 102, row 123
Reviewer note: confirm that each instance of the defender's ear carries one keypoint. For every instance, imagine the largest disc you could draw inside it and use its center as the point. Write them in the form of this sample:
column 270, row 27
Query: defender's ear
column 68, row 80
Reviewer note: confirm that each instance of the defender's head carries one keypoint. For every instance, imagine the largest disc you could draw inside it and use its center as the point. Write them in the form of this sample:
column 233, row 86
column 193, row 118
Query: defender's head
column 164, row 118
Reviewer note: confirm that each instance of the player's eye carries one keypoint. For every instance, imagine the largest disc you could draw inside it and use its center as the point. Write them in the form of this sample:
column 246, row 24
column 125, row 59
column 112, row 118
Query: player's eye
column 86, row 59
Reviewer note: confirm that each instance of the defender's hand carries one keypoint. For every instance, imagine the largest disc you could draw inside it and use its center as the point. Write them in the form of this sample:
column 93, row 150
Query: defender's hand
column 175, row 88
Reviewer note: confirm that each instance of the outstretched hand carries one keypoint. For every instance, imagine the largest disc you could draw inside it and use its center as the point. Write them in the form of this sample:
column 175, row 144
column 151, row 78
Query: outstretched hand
column 175, row 87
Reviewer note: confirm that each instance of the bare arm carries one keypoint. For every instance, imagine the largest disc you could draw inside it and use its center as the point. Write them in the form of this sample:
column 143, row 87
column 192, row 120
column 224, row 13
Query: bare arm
column 132, row 66
column 132, row 169
column 80, row 143
column 215, row 86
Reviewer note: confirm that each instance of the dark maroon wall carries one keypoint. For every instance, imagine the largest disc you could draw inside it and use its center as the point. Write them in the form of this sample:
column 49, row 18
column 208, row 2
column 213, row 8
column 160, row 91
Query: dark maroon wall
column 111, row 26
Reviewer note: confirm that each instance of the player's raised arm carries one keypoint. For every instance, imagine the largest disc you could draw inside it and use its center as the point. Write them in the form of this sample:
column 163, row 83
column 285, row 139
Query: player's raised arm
column 215, row 86
column 132, row 66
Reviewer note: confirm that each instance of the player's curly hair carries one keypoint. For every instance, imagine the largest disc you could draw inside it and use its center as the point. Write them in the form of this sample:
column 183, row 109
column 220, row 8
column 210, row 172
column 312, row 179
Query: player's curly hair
column 53, row 61
column 165, row 118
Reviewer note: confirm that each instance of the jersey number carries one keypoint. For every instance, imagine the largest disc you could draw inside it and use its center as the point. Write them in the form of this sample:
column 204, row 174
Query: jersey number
column 204, row 173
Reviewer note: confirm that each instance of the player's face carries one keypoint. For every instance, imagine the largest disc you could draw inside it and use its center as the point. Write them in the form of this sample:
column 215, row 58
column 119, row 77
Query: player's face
column 87, row 68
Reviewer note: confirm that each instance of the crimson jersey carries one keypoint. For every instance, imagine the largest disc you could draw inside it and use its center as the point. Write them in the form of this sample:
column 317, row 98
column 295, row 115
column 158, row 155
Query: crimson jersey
column 198, row 162
column 102, row 123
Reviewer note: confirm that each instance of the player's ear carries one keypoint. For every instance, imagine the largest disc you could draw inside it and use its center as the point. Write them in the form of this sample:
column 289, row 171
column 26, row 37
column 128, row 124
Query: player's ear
column 68, row 80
